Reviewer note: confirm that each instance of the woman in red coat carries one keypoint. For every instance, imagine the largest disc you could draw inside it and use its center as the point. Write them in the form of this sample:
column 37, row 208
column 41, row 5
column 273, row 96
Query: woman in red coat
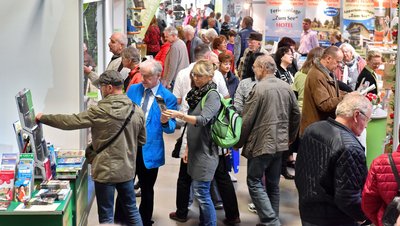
column 380, row 187
column 152, row 38
column 163, row 52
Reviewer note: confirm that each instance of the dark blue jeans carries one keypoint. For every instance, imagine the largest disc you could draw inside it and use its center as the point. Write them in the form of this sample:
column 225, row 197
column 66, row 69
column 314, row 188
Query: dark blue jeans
column 208, row 216
column 266, row 200
column 105, row 202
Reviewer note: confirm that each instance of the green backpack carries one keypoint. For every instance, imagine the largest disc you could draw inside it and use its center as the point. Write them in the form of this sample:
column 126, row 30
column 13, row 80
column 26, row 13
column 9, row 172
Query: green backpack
column 225, row 131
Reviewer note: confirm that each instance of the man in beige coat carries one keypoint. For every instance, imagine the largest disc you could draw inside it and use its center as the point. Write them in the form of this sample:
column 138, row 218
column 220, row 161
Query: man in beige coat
column 270, row 123
column 321, row 90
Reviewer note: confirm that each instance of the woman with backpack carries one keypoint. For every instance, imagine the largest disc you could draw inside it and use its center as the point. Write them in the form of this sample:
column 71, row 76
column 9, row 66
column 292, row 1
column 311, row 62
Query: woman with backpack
column 201, row 153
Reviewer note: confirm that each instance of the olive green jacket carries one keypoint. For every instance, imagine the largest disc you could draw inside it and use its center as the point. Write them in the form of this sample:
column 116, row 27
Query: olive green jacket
column 117, row 162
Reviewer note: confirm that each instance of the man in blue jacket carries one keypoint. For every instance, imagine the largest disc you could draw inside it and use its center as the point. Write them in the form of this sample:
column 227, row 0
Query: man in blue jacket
column 151, row 156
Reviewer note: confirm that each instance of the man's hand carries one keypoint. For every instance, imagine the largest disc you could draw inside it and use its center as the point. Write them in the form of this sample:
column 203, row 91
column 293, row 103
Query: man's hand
column 87, row 69
column 38, row 116
column 165, row 116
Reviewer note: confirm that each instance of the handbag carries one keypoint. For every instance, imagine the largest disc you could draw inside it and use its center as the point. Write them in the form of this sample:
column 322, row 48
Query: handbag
column 391, row 212
column 90, row 153
column 178, row 145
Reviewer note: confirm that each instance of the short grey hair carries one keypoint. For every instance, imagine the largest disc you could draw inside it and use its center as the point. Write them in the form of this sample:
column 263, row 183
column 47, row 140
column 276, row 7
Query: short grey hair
column 188, row 29
column 211, row 34
column 122, row 38
column 351, row 102
column 349, row 47
column 171, row 30
column 131, row 53
column 154, row 65
column 267, row 63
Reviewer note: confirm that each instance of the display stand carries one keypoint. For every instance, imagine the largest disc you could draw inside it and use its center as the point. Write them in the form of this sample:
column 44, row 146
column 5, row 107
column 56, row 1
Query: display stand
column 62, row 216
column 82, row 195
column 376, row 133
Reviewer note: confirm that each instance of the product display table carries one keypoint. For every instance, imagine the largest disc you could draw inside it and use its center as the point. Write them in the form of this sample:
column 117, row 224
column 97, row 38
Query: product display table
column 376, row 133
column 82, row 194
column 62, row 216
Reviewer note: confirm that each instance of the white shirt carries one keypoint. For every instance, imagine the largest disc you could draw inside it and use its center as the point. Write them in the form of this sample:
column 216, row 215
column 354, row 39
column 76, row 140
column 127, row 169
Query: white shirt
column 151, row 98
column 183, row 85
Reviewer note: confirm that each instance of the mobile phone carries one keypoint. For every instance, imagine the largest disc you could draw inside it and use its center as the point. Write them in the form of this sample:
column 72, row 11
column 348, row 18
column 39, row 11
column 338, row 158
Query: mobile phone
column 161, row 103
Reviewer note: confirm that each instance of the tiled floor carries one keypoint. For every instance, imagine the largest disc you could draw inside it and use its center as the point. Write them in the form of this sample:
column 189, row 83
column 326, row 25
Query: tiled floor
column 165, row 192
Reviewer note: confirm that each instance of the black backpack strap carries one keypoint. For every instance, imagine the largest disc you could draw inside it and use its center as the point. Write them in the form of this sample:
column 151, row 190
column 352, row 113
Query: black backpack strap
column 395, row 172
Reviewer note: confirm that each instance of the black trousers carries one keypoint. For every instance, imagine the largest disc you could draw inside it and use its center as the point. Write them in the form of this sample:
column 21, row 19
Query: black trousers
column 147, row 179
column 224, row 184
column 226, row 189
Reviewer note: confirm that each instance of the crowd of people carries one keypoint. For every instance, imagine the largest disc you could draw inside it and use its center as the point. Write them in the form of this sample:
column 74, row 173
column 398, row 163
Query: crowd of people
column 314, row 110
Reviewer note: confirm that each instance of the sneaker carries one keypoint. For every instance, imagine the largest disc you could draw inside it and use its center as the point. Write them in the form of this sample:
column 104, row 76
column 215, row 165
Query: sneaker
column 231, row 221
column 138, row 193
column 233, row 178
column 173, row 216
column 136, row 186
column 218, row 206
column 252, row 208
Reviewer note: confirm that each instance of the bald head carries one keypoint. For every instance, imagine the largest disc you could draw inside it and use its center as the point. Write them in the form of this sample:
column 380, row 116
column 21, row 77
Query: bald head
column 332, row 58
column 118, row 42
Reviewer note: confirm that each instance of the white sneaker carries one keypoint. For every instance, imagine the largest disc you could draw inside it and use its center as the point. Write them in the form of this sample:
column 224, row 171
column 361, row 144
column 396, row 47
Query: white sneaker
column 252, row 208
column 233, row 178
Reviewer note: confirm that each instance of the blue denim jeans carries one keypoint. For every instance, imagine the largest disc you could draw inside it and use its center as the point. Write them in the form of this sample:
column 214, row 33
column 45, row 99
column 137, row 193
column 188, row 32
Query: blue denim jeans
column 105, row 202
column 265, row 200
column 208, row 216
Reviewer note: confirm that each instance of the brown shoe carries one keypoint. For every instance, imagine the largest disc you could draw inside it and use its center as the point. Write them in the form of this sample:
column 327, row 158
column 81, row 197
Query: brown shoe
column 173, row 216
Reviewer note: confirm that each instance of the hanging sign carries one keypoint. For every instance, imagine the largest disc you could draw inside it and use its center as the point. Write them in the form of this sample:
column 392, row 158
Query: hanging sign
column 284, row 18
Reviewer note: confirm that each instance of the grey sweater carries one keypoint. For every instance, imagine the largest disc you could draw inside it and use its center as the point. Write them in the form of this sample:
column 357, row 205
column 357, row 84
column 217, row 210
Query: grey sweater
column 203, row 153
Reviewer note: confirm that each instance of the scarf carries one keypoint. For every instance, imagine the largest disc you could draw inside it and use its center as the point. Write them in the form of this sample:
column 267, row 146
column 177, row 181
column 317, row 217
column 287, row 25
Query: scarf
column 196, row 94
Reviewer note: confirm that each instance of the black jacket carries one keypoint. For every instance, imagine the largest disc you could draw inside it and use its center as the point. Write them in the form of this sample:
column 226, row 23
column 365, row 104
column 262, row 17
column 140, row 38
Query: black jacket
column 330, row 175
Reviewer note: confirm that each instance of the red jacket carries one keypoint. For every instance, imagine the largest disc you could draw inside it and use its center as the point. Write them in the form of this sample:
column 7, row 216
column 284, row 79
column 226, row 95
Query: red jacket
column 380, row 187
column 163, row 54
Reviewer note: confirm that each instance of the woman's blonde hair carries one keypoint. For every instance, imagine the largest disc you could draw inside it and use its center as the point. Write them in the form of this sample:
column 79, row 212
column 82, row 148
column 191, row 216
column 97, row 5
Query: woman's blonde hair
column 204, row 67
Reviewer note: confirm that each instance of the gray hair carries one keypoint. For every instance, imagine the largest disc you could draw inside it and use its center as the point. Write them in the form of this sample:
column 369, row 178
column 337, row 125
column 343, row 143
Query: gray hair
column 188, row 29
column 131, row 53
column 211, row 34
column 171, row 30
column 351, row 102
column 154, row 65
column 266, row 62
column 122, row 38
column 349, row 47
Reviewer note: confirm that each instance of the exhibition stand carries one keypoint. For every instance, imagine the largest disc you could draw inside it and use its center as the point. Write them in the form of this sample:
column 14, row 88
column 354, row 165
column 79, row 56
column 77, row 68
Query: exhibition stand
column 376, row 134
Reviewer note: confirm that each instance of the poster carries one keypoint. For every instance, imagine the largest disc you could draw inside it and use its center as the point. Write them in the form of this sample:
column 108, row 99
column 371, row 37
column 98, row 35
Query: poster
column 358, row 22
column 284, row 18
column 325, row 17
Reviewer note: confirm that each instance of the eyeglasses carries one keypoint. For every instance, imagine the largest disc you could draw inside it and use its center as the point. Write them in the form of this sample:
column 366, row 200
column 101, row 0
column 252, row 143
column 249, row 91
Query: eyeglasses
column 196, row 75
column 365, row 115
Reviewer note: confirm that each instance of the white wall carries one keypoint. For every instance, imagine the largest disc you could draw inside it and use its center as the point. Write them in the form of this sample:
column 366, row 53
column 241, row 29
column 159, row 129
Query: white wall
column 40, row 50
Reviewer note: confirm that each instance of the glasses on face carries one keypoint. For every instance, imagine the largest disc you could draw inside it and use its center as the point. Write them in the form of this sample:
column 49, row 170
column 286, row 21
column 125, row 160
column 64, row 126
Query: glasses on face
column 196, row 75
column 365, row 115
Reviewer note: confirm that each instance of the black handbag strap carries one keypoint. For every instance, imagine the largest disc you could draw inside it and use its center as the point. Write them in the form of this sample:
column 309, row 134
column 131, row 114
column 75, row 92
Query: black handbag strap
column 119, row 132
column 395, row 172
column 184, row 129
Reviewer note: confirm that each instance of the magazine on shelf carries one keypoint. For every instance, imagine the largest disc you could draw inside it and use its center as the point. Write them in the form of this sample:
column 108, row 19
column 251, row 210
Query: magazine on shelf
column 4, row 205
